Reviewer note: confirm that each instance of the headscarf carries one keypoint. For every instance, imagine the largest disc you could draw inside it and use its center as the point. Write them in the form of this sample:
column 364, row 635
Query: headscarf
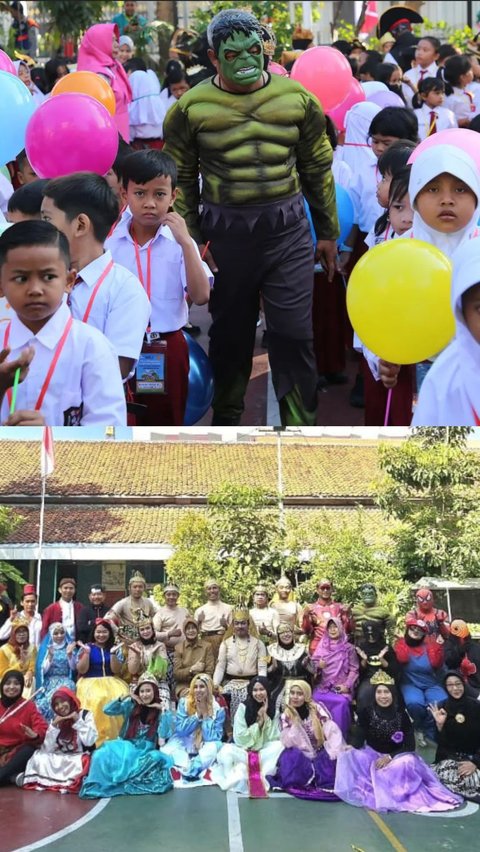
column 17, row 625
column 51, row 630
column 36, row 93
column 147, row 107
column 252, row 706
column 385, row 712
column 95, row 54
column 285, row 628
column 415, row 622
column 356, row 150
column 144, row 714
column 308, row 710
column 335, row 652
column 15, row 675
column 46, row 643
column 153, row 637
column 67, row 735
column 461, row 730
column 125, row 39
column 428, row 165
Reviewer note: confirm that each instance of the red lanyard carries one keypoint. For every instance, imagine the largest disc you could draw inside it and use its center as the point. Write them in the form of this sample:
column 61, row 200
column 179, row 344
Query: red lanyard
column 387, row 231
column 470, row 98
column 95, row 290
column 53, row 363
column 139, row 267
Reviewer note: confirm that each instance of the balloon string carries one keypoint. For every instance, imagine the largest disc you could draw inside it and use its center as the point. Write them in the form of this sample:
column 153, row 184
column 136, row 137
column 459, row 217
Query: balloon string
column 387, row 410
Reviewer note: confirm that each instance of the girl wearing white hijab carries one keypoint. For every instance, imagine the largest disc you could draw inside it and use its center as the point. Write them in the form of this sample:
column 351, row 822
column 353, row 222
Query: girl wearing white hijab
column 450, row 394
column 444, row 192
column 357, row 153
column 23, row 73
column 147, row 109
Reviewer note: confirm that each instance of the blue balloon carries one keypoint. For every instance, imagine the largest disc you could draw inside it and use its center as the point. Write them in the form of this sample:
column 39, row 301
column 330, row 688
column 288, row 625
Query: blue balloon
column 345, row 212
column 16, row 108
column 200, row 383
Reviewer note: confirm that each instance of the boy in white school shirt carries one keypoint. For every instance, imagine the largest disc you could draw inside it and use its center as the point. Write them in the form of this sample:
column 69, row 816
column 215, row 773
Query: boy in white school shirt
column 105, row 295
column 426, row 55
column 69, row 371
column 153, row 242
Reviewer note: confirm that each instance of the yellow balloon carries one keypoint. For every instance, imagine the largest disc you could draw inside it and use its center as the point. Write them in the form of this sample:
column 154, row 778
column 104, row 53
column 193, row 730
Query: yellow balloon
column 398, row 301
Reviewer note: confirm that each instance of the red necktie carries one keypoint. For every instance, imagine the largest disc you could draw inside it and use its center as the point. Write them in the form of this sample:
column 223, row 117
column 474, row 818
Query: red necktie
column 433, row 123
column 423, row 71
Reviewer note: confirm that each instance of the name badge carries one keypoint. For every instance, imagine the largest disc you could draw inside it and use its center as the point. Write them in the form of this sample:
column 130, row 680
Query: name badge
column 150, row 371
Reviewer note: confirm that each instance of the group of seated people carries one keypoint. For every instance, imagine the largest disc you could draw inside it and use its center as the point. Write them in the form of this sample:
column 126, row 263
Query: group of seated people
column 324, row 702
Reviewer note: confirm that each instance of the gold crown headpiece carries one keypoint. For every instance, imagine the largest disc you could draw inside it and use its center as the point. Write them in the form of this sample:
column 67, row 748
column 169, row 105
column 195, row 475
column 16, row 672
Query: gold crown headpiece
column 382, row 679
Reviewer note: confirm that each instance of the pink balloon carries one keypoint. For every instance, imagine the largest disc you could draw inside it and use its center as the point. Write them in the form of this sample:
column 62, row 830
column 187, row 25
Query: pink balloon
column 6, row 63
column 71, row 133
column 386, row 99
column 460, row 137
column 355, row 96
column 325, row 72
column 275, row 68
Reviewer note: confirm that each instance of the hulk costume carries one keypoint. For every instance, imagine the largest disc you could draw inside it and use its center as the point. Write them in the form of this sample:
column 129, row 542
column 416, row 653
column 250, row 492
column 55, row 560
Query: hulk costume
column 256, row 151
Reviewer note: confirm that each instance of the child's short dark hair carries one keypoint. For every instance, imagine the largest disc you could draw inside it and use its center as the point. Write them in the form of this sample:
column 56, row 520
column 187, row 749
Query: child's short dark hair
column 33, row 233
column 446, row 50
column 453, row 70
column 370, row 66
column 399, row 185
column 436, row 44
column 425, row 86
column 27, row 199
column 124, row 149
column 22, row 159
column 395, row 121
column 135, row 64
column 142, row 166
column 88, row 193
column 395, row 157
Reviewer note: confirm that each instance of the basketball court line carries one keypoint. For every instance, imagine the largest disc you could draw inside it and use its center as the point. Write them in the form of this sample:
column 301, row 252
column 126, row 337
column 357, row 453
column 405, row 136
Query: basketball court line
column 386, row 831
column 79, row 823
column 235, row 840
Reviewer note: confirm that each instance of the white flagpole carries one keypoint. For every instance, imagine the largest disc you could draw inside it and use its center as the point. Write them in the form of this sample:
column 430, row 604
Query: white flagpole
column 40, row 537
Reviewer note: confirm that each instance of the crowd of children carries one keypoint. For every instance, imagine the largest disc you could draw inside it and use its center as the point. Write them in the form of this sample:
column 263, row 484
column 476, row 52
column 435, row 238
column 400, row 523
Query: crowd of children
column 129, row 269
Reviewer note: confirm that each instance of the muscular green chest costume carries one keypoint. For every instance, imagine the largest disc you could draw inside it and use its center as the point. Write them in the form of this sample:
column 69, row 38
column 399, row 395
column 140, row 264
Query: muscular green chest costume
column 252, row 148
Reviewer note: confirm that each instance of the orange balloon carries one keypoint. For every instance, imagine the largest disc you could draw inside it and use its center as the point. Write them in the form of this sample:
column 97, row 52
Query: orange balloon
column 87, row 83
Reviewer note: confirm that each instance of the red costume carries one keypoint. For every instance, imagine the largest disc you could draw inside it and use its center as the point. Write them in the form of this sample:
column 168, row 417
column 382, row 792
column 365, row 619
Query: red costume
column 316, row 616
column 435, row 619
column 53, row 613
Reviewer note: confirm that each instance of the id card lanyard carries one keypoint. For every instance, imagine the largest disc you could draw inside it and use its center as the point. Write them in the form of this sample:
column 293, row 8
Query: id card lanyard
column 53, row 363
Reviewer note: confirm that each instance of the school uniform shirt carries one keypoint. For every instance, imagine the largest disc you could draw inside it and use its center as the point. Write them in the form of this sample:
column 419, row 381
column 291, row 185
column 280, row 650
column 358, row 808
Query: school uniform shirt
column 86, row 386
column 6, row 190
column 415, row 75
column 120, row 309
column 474, row 88
column 147, row 108
column 462, row 103
column 357, row 153
column 444, row 119
column 169, row 310
column 450, row 392
column 363, row 192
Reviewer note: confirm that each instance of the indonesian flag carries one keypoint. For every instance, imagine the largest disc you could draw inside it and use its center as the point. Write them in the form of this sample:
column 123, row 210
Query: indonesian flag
column 47, row 457
column 371, row 18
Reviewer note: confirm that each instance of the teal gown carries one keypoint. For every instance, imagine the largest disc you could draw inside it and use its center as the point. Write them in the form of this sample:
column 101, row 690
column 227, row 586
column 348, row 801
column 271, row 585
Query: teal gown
column 124, row 767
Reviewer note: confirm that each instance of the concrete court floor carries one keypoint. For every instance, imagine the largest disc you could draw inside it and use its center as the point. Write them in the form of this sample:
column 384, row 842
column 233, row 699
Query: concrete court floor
column 207, row 819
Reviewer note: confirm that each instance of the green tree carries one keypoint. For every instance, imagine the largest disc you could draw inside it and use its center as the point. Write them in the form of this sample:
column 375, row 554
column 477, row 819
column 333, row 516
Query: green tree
column 237, row 541
column 431, row 489
column 8, row 521
column 70, row 20
column 345, row 554
column 428, row 436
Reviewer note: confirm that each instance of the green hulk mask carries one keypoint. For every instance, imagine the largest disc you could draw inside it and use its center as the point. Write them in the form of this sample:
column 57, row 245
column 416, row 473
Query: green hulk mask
column 368, row 594
column 240, row 60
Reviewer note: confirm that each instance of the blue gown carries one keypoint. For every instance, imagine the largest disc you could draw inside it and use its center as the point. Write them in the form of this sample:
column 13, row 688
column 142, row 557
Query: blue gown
column 58, row 675
column 124, row 767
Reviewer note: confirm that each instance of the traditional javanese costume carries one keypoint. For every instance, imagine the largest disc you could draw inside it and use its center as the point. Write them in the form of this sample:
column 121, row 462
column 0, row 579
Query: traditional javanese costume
column 132, row 764
column 406, row 783
column 243, row 764
column 63, row 759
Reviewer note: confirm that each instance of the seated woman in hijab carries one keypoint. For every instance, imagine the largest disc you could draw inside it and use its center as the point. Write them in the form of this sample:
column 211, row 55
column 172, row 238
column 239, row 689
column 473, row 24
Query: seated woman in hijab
column 63, row 759
column 312, row 742
column 22, row 728
column 337, row 666
column 289, row 660
column 134, row 763
column 198, row 730
column 243, row 764
column 457, row 761
column 375, row 655
column 386, row 775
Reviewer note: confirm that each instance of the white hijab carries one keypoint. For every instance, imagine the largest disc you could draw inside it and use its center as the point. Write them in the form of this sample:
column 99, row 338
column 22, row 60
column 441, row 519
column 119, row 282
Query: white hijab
column 146, row 106
column 451, row 390
column 356, row 151
column 428, row 165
